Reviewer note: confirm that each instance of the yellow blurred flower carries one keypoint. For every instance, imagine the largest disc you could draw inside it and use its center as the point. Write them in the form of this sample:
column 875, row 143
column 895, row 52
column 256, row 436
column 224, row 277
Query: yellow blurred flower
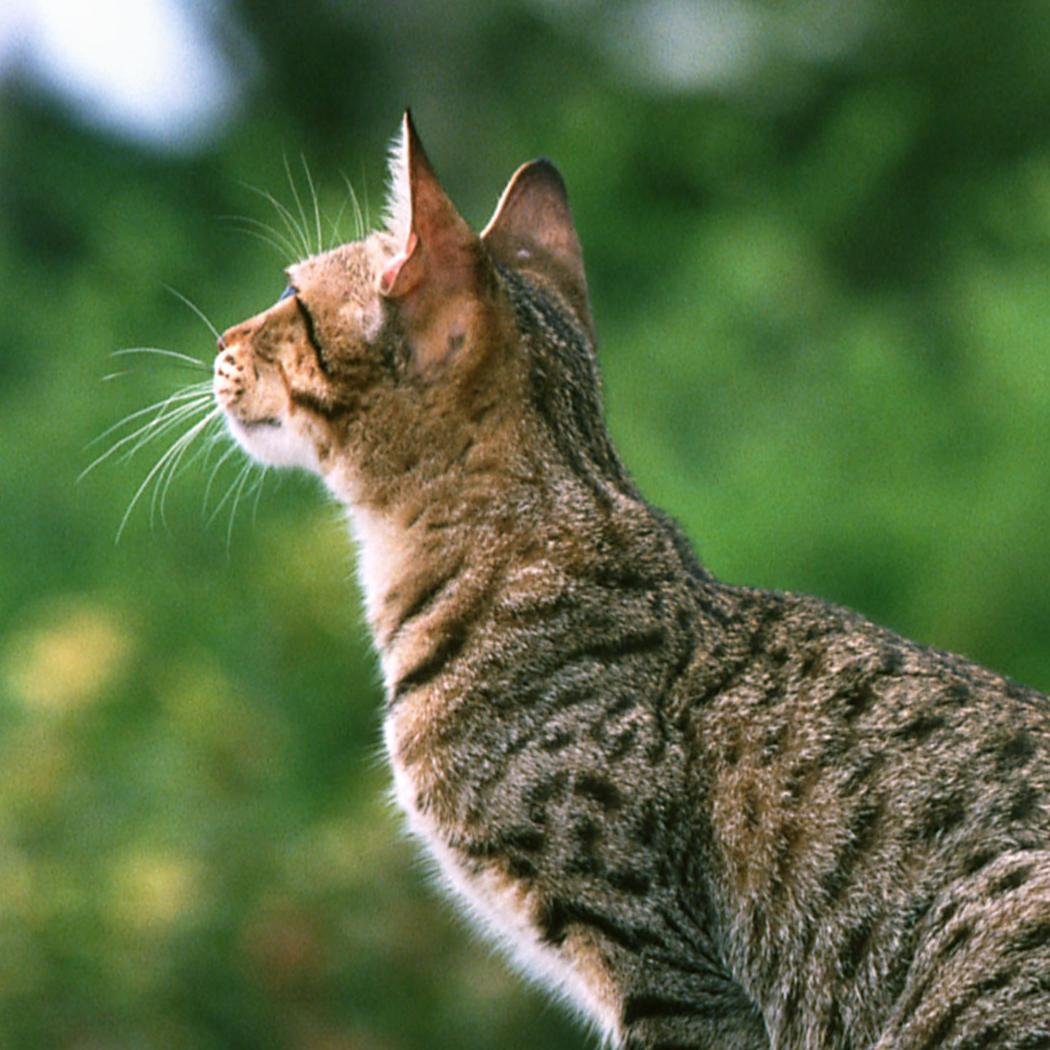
column 67, row 661
column 155, row 890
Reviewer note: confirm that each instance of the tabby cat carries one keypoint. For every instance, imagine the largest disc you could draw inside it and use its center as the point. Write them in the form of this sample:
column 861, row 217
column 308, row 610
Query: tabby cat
column 707, row 815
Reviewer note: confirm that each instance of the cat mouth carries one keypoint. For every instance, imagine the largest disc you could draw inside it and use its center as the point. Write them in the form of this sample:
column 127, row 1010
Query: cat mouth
column 265, row 421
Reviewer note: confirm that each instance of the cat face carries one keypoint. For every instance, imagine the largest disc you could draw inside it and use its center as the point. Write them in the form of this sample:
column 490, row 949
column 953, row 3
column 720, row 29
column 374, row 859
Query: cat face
column 289, row 377
column 387, row 355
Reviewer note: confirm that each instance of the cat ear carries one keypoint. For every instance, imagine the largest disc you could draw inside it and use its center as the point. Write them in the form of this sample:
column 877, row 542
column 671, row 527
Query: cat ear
column 532, row 228
column 437, row 249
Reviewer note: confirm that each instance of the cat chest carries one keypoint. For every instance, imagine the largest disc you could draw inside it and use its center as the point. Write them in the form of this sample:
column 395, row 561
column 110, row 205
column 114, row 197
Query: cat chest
column 502, row 906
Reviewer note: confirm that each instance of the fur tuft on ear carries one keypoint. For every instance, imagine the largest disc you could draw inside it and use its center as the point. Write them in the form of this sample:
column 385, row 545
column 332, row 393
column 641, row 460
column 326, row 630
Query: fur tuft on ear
column 431, row 277
column 532, row 229
column 397, row 211
column 435, row 245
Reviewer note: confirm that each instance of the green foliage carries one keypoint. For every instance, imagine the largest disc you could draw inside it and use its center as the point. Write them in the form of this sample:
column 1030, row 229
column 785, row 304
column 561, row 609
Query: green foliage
column 822, row 296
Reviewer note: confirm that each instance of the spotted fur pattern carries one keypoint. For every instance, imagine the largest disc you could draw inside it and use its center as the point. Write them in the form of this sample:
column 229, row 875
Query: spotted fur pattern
column 708, row 816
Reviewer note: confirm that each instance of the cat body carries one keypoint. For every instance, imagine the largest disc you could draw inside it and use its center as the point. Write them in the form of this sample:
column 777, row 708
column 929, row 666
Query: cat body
column 708, row 816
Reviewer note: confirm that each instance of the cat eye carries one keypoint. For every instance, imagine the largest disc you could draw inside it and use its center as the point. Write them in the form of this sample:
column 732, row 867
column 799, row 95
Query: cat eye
column 311, row 332
column 286, row 293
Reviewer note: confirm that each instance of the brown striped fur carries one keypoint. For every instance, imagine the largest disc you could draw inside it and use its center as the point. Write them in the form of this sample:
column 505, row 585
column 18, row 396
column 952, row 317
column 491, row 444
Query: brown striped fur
column 707, row 815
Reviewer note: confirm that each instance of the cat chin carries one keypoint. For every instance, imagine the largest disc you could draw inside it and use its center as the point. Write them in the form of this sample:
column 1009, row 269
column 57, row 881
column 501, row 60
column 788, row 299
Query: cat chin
column 272, row 442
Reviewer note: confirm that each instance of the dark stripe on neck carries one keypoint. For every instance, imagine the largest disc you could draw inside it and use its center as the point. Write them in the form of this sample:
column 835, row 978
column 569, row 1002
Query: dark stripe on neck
column 315, row 404
column 429, row 668
column 426, row 597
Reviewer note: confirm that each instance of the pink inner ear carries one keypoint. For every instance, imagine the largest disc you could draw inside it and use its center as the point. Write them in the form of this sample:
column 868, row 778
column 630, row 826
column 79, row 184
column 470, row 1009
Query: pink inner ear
column 388, row 279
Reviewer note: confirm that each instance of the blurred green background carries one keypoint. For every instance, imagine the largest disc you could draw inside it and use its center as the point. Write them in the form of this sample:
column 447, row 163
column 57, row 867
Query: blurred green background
column 818, row 240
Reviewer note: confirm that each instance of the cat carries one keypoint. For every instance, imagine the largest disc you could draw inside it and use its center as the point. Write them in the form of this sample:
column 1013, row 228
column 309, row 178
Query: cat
column 705, row 815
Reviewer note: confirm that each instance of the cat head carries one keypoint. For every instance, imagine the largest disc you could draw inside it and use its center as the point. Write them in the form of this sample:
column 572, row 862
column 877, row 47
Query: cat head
column 390, row 358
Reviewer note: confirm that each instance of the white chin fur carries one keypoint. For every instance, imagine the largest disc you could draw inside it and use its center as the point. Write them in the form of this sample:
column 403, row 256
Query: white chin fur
column 276, row 446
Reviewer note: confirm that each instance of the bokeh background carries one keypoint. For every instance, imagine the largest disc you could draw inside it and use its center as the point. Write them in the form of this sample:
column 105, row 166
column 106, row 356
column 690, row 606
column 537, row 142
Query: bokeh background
column 818, row 240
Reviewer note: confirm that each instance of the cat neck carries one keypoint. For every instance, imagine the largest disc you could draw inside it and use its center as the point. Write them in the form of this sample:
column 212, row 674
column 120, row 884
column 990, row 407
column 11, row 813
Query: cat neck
column 451, row 544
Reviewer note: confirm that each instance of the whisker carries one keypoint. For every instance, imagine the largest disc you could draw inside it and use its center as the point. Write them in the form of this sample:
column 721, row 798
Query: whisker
column 335, row 237
column 229, row 492
column 244, row 476
column 219, row 436
column 161, row 352
column 257, row 491
column 167, row 476
column 266, row 227
column 313, row 195
column 160, row 485
column 359, row 219
column 364, row 191
column 176, row 449
column 264, row 232
column 359, row 216
column 149, row 433
column 296, row 234
column 298, row 204
column 282, row 253
column 198, row 311
column 231, row 449
column 200, row 390
column 161, row 423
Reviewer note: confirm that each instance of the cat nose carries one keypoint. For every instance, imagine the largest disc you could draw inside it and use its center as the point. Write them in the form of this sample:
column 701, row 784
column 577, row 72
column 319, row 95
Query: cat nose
column 232, row 335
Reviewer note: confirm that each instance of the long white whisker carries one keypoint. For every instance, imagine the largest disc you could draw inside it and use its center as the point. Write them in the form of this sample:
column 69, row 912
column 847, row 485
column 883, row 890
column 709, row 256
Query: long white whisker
column 283, row 254
column 148, row 434
column 364, row 191
column 162, row 424
column 264, row 232
column 287, row 218
column 229, row 491
column 265, row 227
column 167, row 476
column 351, row 198
column 159, row 424
column 359, row 218
column 257, row 492
column 197, row 310
column 244, row 476
column 161, row 407
column 215, row 436
column 317, row 208
column 333, row 224
column 298, row 204
column 194, row 390
column 160, row 352
column 175, row 450
column 211, row 477
column 159, row 498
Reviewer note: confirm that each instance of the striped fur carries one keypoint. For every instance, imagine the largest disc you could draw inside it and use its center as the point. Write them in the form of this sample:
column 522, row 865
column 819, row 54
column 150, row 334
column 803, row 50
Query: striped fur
column 708, row 816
